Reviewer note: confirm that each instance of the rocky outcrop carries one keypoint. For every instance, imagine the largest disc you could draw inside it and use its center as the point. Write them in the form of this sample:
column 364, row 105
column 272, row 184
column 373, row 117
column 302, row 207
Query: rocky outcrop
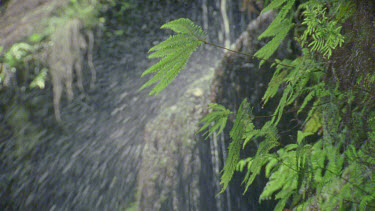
column 171, row 164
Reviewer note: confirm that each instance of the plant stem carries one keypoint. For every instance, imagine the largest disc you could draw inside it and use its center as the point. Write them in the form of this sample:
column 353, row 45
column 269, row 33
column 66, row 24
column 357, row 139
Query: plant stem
column 252, row 56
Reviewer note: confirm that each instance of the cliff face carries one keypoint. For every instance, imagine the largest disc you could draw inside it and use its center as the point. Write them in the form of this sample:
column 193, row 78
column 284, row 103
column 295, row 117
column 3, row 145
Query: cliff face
column 169, row 177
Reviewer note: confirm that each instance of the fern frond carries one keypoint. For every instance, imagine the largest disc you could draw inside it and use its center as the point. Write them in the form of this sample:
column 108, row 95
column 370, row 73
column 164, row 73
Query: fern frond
column 278, row 29
column 281, row 204
column 287, row 94
column 326, row 34
column 274, row 162
column 275, row 27
column 242, row 163
column 365, row 200
column 175, row 53
column 269, row 131
column 266, row 51
column 284, row 177
column 303, row 152
column 301, row 135
column 218, row 115
column 307, row 99
column 235, row 146
column 173, row 43
column 186, row 26
column 274, row 84
column 273, row 5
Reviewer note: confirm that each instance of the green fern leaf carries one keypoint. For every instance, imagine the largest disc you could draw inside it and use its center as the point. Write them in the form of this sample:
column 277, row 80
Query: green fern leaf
column 278, row 29
column 326, row 34
column 175, row 53
column 218, row 115
column 301, row 135
column 281, row 204
column 270, row 165
column 185, row 26
column 235, row 146
column 274, row 84
column 274, row 5
column 287, row 94
column 275, row 27
column 284, row 178
column 242, row 163
column 365, row 200
column 173, row 43
column 266, row 51
column 307, row 99
column 269, row 131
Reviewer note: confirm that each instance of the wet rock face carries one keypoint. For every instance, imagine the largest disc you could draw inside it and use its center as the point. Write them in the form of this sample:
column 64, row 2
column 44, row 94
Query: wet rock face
column 171, row 164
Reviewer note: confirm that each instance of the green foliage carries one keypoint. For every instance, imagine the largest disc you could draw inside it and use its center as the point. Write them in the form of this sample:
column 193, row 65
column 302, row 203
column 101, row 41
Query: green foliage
column 23, row 57
column 218, row 115
column 236, row 134
column 269, row 133
column 325, row 33
column 278, row 29
column 36, row 38
column 18, row 60
column 17, row 53
column 284, row 179
column 175, row 53
column 345, row 10
column 298, row 170
column 133, row 207
column 329, row 163
column 39, row 80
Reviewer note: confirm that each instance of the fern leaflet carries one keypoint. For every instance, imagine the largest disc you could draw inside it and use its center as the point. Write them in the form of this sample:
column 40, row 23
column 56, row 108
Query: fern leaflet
column 266, row 51
column 175, row 53
column 236, row 134
column 326, row 34
column 278, row 29
column 218, row 115
column 269, row 132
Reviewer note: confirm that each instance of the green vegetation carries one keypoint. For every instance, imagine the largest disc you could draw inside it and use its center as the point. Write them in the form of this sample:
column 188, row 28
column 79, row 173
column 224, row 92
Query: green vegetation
column 133, row 207
column 329, row 164
column 175, row 51
column 22, row 59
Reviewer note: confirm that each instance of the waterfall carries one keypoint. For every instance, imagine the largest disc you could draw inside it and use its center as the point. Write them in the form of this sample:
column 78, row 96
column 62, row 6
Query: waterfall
column 216, row 167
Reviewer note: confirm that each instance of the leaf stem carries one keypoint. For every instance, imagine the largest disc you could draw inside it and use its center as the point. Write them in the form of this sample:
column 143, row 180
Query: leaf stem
column 252, row 56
